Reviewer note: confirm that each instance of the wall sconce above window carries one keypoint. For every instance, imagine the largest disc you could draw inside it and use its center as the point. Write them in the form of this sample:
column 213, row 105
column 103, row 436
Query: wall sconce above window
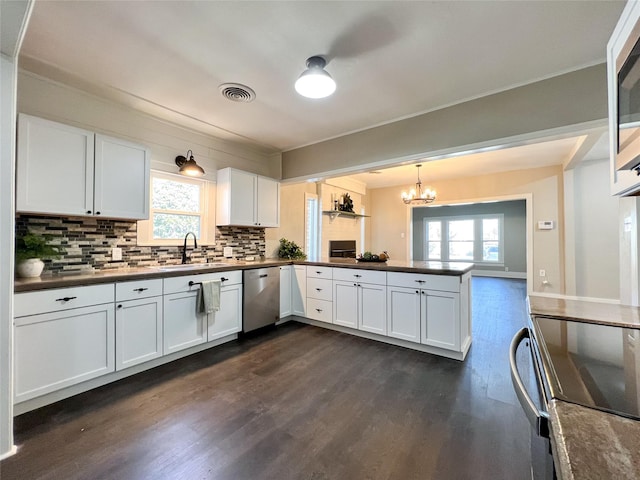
column 189, row 167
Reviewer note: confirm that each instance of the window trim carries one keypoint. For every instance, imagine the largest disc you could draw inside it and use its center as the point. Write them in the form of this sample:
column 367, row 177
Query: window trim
column 477, row 240
column 207, row 212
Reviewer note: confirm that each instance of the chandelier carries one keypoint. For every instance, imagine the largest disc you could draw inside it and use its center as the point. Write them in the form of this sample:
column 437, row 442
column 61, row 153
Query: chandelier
column 417, row 195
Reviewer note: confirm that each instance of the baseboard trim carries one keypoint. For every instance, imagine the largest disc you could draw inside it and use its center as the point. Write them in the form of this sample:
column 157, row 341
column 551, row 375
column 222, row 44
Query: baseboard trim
column 46, row 399
column 610, row 301
column 460, row 356
column 498, row 274
column 11, row 452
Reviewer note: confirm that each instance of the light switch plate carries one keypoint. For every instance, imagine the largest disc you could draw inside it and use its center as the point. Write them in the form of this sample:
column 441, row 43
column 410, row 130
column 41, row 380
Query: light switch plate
column 116, row 253
column 227, row 252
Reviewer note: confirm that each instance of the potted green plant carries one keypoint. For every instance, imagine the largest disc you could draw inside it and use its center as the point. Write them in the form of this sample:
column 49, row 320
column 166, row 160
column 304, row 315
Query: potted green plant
column 30, row 250
column 290, row 250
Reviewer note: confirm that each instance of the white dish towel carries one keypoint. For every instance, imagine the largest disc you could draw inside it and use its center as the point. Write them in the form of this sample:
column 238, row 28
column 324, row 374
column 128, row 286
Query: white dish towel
column 208, row 299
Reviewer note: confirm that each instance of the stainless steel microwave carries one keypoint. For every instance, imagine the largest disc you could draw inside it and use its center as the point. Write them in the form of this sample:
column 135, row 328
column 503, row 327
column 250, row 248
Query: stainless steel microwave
column 623, row 70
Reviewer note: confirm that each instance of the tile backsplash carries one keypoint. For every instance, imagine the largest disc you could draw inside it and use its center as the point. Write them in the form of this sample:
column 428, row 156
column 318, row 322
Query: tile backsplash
column 87, row 243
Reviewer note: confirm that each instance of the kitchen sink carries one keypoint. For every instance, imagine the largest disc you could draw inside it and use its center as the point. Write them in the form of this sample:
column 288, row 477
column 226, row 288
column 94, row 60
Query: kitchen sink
column 189, row 266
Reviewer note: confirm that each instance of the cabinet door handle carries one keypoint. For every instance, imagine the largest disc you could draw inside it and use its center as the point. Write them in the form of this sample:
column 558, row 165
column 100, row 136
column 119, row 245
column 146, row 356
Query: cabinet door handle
column 420, row 281
column 359, row 285
column 97, row 213
column 88, row 211
column 140, row 289
column 417, row 291
column 355, row 284
column 318, row 289
column 264, row 276
column 357, row 276
column 423, row 292
column 318, row 309
column 65, row 299
column 222, row 279
column 120, row 306
column 319, row 273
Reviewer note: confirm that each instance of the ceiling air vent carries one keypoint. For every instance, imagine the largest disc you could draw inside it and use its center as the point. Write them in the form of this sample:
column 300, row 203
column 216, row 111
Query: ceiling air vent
column 237, row 92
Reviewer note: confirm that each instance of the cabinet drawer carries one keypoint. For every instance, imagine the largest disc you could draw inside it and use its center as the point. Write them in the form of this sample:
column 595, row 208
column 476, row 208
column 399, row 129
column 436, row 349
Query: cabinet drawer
column 320, row 310
column 181, row 284
column 443, row 283
column 319, row 272
column 362, row 276
column 138, row 289
column 44, row 301
column 319, row 288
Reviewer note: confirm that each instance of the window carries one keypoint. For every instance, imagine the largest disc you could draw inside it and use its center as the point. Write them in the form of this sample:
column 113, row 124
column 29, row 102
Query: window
column 311, row 225
column 434, row 240
column 177, row 205
column 477, row 238
column 460, row 238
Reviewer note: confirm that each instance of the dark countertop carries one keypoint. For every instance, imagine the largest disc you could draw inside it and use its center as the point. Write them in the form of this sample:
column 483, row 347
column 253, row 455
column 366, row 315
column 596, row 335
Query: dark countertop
column 129, row 274
column 590, row 312
column 433, row 268
column 590, row 444
column 146, row 273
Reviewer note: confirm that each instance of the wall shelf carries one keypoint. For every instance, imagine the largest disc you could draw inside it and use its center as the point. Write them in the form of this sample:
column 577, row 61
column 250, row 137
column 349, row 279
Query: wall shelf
column 337, row 213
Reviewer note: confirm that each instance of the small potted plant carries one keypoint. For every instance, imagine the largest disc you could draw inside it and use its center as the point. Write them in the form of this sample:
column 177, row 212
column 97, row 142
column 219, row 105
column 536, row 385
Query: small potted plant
column 30, row 250
column 290, row 250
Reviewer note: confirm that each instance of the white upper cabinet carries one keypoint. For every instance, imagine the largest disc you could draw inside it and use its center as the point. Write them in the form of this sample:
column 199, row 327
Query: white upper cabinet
column 64, row 170
column 247, row 199
column 54, row 169
column 121, row 187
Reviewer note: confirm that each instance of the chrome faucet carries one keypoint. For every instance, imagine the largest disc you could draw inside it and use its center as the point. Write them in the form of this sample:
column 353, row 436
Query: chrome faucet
column 184, row 247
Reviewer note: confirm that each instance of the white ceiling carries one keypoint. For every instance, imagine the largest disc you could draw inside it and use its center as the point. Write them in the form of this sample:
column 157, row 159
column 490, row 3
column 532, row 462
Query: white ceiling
column 390, row 59
column 553, row 152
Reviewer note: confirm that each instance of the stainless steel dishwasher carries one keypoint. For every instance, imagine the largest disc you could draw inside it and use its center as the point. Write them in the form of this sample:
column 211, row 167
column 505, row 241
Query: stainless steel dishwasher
column 261, row 298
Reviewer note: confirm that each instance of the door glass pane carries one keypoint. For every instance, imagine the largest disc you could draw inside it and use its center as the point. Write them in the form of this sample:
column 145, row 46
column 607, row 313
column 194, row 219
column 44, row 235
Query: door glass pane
column 490, row 251
column 172, row 226
column 490, row 229
column 434, row 249
column 434, row 231
column 460, row 230
column 175, row 195
column 461, row 250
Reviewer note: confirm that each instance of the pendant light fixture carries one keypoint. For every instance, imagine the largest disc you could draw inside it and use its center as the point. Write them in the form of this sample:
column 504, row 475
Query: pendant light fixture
column 189, row 167
column 315, row 82
column 416, row 195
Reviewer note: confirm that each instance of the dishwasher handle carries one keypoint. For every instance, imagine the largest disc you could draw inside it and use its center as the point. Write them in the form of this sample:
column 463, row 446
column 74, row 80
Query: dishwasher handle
column 539, row 419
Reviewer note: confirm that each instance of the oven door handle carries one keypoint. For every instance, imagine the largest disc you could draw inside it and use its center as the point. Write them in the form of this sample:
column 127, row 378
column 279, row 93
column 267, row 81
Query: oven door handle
column 539, row 419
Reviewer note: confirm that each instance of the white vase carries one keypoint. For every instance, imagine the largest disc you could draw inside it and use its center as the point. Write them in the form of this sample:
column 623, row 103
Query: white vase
column 30, row 268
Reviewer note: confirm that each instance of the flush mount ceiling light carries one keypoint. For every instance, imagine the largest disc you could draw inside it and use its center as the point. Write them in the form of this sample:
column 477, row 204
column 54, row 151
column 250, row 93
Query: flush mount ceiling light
column 189, row 167
column 315, row 82
column 416, row 195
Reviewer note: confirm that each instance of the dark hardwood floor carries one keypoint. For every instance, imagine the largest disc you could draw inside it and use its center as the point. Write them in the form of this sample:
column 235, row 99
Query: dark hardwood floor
column 298, row 402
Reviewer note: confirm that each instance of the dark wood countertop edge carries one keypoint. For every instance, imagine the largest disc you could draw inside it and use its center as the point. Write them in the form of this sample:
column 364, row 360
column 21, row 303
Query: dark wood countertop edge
column 149, row 273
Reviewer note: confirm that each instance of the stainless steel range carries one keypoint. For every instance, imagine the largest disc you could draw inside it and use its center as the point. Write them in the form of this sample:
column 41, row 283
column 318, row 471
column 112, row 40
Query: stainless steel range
column 594, row 365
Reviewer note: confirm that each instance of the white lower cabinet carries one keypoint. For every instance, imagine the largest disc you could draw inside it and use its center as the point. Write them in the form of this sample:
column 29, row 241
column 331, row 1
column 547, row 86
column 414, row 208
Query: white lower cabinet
column 62, row 348
column 360, row 305
column 183, row 326
column 372, row 308
column 286, row 273
column 138, row 331
column 228, row 319
column 299, row 290
column 403, row 313
column 345, row 304
column 440, row 319
column 138, row 322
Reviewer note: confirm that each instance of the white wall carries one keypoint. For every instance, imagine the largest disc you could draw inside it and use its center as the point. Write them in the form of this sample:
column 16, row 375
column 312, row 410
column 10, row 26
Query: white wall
column 7, row 145
column 48, row 99
column 592, row 253
column 14, row 17
column 390, row 218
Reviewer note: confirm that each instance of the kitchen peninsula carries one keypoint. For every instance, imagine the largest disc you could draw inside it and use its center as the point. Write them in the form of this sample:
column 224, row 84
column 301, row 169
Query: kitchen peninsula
column 121, row 322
